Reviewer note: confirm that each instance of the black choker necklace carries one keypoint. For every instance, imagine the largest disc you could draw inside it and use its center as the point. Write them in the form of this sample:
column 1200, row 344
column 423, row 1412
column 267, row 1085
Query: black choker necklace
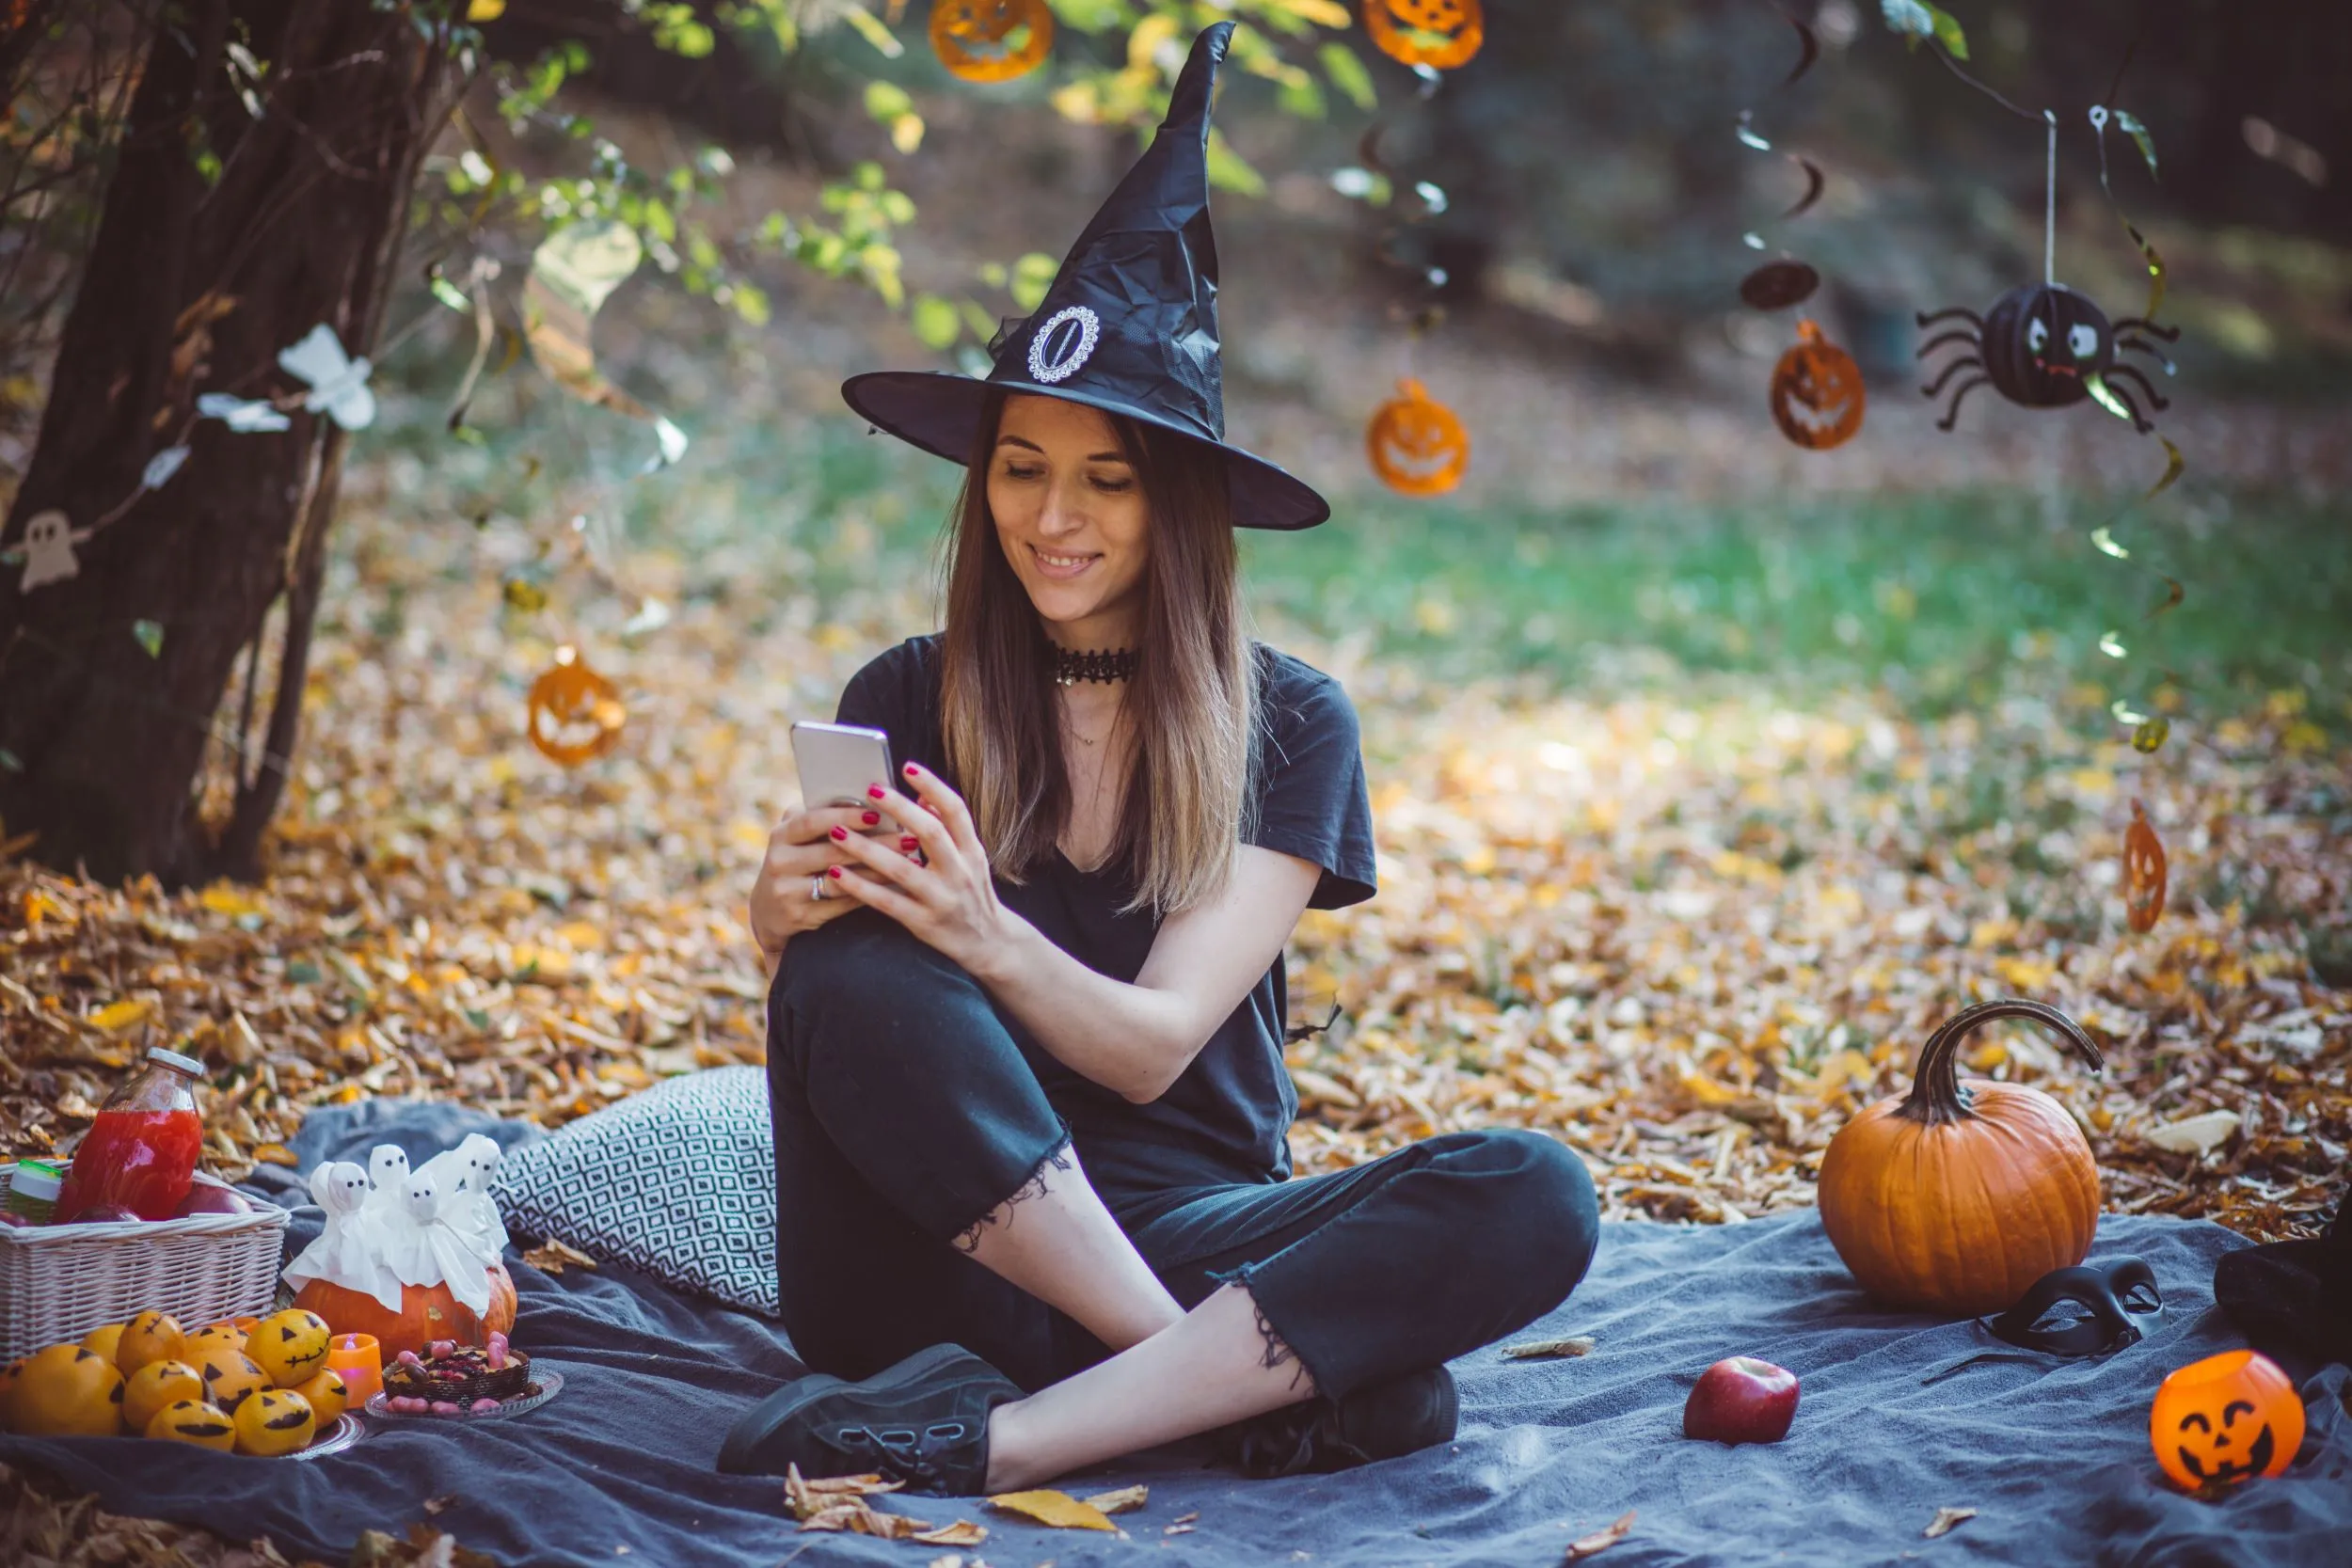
column 1070, row 668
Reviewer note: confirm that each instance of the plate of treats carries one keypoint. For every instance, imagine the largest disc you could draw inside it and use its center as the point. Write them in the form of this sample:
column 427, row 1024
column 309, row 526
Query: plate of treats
column 451, row 1381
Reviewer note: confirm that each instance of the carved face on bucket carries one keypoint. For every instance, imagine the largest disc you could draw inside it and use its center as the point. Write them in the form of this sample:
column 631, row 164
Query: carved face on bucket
column 2226, row 1419
column 1817, row 392
column 1438, row 33
column 1416, row 443
column 990, row 40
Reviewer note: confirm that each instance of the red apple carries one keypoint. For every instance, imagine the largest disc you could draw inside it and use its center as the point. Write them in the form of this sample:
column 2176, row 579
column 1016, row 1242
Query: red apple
column 1742, row 1400
column 105, row 1213
column 210, row 1195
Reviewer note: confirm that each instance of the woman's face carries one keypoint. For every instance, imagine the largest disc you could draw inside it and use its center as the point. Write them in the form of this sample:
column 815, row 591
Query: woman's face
column 1070, row 516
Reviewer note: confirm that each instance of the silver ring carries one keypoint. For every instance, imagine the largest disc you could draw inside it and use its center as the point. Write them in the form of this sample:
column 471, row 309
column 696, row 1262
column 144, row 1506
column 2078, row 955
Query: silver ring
column 817, row 888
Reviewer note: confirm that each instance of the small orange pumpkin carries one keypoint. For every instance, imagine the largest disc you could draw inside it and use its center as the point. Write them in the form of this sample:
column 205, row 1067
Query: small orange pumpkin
column 1416, row 443
column 1817, row 391
column 1441, row 34
column 1956, row 1198
column 568, row 699
column 2143, row 872
column 990, row 40
column 2227, row 1419
column 427, row 1312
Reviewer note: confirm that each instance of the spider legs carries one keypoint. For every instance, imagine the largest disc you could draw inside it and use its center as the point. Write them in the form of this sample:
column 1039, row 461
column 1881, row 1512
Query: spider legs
column 1956, row 336
column 2155, row 400
column 2140, row 422
column 1937, row 387
column 1928, row 318
column 2141, row 323
column 2142, row 345
column 1951, row 415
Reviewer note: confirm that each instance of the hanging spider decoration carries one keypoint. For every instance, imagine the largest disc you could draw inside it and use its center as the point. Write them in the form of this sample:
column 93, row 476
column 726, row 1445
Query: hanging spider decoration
column 2043, row 345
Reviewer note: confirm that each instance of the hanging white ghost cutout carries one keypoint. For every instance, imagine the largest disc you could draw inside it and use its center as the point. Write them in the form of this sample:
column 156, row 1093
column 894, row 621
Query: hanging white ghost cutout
column 339, row 382
column 245, row 417
column 49, row 541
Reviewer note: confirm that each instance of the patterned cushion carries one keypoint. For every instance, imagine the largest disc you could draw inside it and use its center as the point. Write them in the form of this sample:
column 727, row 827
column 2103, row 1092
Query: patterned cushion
column 679, row 1182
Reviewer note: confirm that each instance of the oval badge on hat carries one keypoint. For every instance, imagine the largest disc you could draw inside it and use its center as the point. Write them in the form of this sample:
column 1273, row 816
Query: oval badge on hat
column 1063, row 343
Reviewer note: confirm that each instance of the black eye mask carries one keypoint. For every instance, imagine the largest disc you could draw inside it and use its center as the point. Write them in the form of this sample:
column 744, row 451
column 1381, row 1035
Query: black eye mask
column 2087, row 1310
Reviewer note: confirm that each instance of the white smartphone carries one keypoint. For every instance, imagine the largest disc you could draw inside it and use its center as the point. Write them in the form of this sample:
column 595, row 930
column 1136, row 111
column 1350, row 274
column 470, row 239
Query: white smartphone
column 839, row 762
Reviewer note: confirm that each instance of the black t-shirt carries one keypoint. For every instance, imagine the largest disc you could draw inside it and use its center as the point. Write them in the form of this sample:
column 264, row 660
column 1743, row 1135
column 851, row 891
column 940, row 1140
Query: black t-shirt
column 1228, row 1117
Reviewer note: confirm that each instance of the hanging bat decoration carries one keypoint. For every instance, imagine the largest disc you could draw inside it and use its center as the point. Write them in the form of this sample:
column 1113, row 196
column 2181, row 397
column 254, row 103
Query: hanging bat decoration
column 2044, row 345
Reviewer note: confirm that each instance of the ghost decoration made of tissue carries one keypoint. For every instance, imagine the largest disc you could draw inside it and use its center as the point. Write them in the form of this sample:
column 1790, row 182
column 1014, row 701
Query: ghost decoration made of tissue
column 410, row 1256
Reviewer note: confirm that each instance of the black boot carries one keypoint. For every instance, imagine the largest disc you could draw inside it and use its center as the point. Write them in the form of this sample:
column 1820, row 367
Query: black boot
column 1399, row 1416
column 923, row 1421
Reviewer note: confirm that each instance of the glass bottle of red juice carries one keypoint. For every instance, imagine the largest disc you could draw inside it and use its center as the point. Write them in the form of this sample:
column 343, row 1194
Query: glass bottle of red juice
column 141, row 1151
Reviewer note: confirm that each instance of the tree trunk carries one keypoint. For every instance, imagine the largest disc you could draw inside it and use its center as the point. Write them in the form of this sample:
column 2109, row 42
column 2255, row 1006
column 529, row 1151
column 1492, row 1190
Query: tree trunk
column 299, row 224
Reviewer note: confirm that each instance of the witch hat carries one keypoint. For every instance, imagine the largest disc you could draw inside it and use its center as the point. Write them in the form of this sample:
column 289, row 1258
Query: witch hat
column 1129, row 325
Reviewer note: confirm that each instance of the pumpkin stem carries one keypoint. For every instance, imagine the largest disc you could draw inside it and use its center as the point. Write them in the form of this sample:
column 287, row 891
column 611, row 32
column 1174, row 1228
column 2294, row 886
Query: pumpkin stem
column 1936, row 1094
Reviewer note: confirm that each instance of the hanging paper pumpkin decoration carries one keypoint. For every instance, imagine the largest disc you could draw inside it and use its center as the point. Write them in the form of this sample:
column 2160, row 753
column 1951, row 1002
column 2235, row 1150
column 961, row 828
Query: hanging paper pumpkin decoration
column 2143, row 872
column 2043, row 345
column 1436, row 33
column 992, row 41
column 1955, row 1199
column 2227, row 1419
column 1817, row 391
column 576, row 714
column 1416, row 443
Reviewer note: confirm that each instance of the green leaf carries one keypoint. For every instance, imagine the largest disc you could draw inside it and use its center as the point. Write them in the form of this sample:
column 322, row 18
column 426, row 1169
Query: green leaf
column 1031, row 276
column 1227, row 171
column 450, row 294
column 151, row 636
column 1948, row 34
column 887, row 101
column 1302, row 95
column 935, row 321
column 978, row 320
column 2129, row 123
column 751, row 303
column 1345, row 71
column 869, row 27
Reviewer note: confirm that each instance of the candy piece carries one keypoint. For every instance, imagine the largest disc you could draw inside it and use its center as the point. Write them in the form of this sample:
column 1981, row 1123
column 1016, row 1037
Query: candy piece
column 448, row 1407
column 408, row 1359
column 483, row 1407
column 442, row 1347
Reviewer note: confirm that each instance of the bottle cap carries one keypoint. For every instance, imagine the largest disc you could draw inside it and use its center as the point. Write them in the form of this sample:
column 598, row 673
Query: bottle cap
column 177, row 1063
column 33, row 1179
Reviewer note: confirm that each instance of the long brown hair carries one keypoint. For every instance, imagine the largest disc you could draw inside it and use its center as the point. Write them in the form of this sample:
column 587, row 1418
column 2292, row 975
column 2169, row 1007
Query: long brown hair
column 1191, row 707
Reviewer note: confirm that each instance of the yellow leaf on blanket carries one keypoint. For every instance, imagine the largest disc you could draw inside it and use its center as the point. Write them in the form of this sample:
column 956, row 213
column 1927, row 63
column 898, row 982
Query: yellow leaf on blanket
column 1058, row 1509
column 1944, row 1519
column 1546, row 1350
column 1599, row 1541
column 963, row 1532
column 275, row 1154
column 1120, row 1501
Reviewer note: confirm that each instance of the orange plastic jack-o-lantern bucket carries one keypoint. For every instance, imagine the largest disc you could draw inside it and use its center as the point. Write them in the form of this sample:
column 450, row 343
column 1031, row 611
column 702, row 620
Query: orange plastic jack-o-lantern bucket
column 1441, row 34
column 1416, row 443
column 2226, row 1419
column 990, row 40
column 576, row 714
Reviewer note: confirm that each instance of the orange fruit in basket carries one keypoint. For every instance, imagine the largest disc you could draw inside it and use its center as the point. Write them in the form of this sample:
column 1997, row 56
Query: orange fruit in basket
column 150, row 1336
column 230, row 1376
column 289, row 1346
column 103, row 1340
column 329, row 1394
column 158, row 1384
column 66, row 1392
column 208, row 1426
column 274, row 1421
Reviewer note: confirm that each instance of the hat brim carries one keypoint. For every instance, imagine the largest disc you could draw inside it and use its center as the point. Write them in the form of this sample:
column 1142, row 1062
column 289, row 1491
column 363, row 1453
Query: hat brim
column 940, row 412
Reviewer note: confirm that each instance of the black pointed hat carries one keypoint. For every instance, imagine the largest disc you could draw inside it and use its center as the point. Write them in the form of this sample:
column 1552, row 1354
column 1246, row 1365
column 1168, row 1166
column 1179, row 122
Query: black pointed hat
column 1129, row 325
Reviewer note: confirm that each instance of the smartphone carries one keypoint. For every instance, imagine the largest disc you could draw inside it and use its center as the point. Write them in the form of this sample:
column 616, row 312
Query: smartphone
column 839, row 762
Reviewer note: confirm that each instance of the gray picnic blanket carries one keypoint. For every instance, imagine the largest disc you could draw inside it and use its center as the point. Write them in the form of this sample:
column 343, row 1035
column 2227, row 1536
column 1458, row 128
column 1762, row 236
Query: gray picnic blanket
column 2052, row 1455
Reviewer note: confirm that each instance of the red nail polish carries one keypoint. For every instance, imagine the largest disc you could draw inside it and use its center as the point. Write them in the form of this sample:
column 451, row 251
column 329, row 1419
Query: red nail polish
column 874, row 790
column 840, row 832
column 834, row 871
column 869, row 819
column 910, row 842
column 913, row 771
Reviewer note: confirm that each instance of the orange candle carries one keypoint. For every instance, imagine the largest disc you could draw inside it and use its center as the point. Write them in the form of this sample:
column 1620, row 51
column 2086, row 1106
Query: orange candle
column 360, row 1360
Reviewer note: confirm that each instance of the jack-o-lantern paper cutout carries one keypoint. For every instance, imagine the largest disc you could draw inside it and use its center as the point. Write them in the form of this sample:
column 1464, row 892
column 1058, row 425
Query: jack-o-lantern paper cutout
column 2143, row 872
column 992, row 41
column 1436, row 33
column 2227, row 1419
column 1817, row 391
column 1416, row 443
column 576, row 714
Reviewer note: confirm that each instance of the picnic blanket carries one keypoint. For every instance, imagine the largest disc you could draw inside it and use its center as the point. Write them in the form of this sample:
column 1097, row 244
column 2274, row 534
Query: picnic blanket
column 2052, row 1455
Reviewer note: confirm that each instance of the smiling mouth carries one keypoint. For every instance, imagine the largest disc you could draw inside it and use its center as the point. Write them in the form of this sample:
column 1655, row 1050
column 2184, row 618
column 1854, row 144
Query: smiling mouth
column 1056, row 565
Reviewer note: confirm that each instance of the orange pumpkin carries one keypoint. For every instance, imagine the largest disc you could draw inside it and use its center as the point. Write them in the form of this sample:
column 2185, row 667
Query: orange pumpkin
column 1416, row 443
column 1817, row 392
column 990, row 40
column 2143, row 872
column 570, row 698
column 427, row 1312
column 1441, row 34
column 1956, row 1198
column 2227, row 1419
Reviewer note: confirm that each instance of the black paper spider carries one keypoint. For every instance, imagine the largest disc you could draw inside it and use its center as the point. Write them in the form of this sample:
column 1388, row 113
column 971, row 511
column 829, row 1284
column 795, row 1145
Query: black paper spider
column 2043, row 345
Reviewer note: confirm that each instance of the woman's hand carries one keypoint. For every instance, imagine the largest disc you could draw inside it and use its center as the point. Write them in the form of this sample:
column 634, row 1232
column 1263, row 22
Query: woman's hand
column 801, row 848
column 947, row 899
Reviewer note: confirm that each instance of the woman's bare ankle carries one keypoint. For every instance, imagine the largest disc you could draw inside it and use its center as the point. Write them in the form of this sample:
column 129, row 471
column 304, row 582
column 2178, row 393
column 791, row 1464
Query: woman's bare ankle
column 1006, row 1471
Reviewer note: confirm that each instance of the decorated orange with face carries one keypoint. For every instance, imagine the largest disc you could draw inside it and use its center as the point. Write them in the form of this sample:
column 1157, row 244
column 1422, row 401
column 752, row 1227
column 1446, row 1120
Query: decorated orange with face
column 992, row 41
column 576, row 714
column 1817, row 391
column 2226, row 1419
column 1416, row 443
column 1441, row 34
column 2143, row 872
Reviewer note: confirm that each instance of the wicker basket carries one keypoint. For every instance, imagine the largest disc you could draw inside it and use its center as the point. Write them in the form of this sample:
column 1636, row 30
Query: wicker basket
column 57, row 1282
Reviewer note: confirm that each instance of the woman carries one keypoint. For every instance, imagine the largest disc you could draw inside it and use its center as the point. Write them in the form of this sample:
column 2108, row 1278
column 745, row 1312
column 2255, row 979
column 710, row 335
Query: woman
column 1025, row 1032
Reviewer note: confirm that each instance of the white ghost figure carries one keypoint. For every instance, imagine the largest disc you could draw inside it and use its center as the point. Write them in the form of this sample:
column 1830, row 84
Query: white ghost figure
column 343, row 1254
column 245, row 415
column 339, row 382
column 464, row 1174
column 427, row 1249
column 388, row 1177
column 49, row 541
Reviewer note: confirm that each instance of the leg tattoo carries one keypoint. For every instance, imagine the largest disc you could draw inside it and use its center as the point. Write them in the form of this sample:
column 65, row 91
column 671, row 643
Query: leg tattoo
column 1060, row 1159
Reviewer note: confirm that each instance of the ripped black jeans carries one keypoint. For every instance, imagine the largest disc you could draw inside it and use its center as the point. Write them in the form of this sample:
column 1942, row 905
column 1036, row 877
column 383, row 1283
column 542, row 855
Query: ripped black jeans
column 905, row 1113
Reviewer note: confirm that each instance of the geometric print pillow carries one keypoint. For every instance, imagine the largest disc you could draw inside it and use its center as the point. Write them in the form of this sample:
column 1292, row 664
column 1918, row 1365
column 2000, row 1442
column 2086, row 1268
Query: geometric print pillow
column 679, row 1180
